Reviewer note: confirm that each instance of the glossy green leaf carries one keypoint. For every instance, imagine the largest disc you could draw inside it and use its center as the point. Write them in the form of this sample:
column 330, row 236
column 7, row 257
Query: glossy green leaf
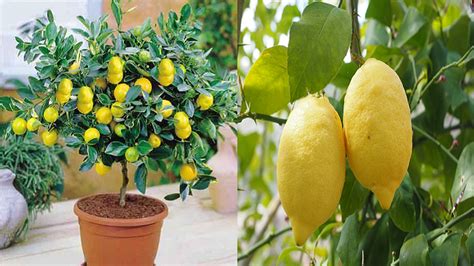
column 116, row 148
column 415, row 252
column 458, row 34
column 376, row 33
column 172, row 196
column 448, row 252
column 266, row 87
column 464, row 177
column 348, row 246
column 402, row 211
column 411, row 24
column 318, row 44
column 144, row 147
column 376, row 243
column 140, row 178
column 381, row 10
column 470, row 246
column 353, row 195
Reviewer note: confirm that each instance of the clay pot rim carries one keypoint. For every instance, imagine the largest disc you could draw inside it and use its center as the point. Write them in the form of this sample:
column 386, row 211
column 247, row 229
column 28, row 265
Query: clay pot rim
column 121, row 222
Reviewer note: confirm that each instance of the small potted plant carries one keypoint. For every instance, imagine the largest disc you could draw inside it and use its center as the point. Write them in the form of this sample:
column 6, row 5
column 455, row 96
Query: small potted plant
column 131, row 97
column 38, row 176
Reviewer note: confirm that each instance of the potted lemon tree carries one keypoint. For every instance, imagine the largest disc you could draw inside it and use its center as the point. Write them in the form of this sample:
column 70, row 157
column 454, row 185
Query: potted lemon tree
column 127, row 97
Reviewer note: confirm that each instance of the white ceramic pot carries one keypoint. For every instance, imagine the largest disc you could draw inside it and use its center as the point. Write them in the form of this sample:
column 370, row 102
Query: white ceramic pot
column 13, row 209
column 224, row 165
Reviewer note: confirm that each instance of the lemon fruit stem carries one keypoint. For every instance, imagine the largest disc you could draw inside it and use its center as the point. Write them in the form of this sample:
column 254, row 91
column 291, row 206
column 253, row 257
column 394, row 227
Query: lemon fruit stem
column 123, row 189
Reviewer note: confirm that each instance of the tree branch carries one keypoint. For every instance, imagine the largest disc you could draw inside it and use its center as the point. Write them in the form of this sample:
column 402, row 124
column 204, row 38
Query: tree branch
column 428, row 136
column 255, row 116
column 457, row 63
column 123, row 189
column 263, row 243
column 356, row 52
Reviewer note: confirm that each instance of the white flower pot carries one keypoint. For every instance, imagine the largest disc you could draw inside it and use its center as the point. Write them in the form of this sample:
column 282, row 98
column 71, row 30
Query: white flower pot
column 224, row 165
column 13, row 209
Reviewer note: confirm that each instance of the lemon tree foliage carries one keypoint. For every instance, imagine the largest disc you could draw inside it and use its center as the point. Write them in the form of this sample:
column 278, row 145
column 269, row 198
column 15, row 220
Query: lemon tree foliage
column 136, row 96
column 429, row 221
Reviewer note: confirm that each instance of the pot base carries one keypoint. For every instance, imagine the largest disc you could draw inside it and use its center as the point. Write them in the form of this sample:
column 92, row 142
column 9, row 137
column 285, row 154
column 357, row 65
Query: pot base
column 108, row 241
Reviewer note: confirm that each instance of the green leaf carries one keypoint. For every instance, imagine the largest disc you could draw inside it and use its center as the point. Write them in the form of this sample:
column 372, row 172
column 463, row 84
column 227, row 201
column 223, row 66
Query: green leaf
column 268, row 78
column 464, row 177
column 402, row 212
column 376, row 243
column 318, row 44
column 116, row 148
column 9, row 104
column 353, row 195
column 376, row 34
column 185, row 12
column 381, row 10
column 86, row 165
column 151, row 164
column 457, row 35
column 348, row 246
column 50, row 32
column 246, row 149
column 133, row 93
column 285, row 254
column 103, row 129
column 415, row 251
column 140, row 178
column 171, row 197
column 344, row 76
column 201, row 184
column 470, row 245
column 104, row 99
column 117, row 11
column 92, row 154
column 411, row 24
column 448, row 252
column 144, row 147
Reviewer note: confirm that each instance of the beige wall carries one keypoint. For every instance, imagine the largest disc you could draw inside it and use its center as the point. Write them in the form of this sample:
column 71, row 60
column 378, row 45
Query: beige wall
column 78, row 183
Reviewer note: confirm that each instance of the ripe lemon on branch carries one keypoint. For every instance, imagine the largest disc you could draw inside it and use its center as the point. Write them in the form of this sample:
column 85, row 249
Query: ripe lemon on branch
column 311, row 165
column 377, row 127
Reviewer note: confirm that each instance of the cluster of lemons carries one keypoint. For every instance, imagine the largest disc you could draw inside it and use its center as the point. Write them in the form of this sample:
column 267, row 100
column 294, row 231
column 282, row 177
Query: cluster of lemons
column 376, row 138
column 105, row 115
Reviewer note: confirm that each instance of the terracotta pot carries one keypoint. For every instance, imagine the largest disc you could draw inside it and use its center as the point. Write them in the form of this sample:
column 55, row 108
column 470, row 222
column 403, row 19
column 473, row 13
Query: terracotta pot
column 107, row 241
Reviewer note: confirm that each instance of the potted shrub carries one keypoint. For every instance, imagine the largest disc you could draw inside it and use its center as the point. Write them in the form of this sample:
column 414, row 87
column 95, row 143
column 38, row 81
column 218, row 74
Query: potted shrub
column 130, row 97
column 38, row 175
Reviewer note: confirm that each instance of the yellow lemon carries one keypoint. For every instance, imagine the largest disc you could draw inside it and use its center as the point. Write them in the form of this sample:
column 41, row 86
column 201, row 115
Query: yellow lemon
column 100, row 83
column 115, row 78
column 49, row 137
column 65, row 86
column 33, row 124
column 311, row 165
column 131, row 154
column 120, row 92
column 115, row 65
column 181, row 120
column 101, row 168
column 62, row 98
column 51, row 114
column 74, row 68
column 103, row 115
column 91, row 134
column 154, row 140
column 205, row 101
column 188, row 172
column 117, row 110
column 377, row 126
column 85, row 108
column 145, row 84
column 19, row 126
column 118, row 129
column 183, row 133
column 165, row 80
column 166, row 67
column 85, row 95
column 165, row 110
